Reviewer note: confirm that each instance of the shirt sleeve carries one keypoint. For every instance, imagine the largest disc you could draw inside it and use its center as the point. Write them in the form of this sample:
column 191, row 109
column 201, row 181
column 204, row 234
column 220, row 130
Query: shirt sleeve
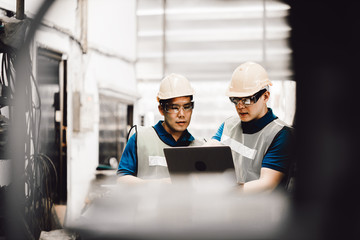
column 278, row 156
column 127, row 165
column 219, row 133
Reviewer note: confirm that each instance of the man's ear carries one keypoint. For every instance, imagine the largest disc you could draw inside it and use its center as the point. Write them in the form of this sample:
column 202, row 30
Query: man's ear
column 161, row 110
column 266, row 96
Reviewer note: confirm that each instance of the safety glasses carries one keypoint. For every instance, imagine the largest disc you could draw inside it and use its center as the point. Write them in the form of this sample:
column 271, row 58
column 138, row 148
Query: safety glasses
column 175, row 108
column 248, row 101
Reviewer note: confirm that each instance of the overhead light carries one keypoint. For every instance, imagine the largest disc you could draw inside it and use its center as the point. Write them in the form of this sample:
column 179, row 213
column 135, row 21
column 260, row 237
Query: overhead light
column 213, row 10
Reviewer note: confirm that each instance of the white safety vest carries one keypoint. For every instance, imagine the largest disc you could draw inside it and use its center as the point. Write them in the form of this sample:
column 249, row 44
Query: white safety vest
column 248, row 150
column 150, row 155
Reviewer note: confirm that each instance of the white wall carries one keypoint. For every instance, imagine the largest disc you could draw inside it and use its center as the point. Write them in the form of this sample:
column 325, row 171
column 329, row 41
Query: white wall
column 82, row 147
column 112, row 26
column 112, row 29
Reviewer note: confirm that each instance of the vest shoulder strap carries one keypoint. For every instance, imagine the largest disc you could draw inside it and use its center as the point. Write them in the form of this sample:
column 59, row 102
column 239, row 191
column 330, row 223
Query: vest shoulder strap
column 131, row 131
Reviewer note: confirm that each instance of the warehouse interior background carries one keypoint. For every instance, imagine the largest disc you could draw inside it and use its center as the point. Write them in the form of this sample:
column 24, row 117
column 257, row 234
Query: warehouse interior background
column 92, row 70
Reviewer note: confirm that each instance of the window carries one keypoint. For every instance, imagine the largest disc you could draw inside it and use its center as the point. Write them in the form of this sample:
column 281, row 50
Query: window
column 115, row 119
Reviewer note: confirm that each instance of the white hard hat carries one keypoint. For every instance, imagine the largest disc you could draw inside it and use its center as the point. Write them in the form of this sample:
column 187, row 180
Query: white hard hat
column 174, row 85
column 247, row 79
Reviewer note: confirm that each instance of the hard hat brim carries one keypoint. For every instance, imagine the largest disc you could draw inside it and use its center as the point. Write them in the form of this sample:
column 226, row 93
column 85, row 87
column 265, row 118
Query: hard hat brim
column 166, row 97
column 246, row 93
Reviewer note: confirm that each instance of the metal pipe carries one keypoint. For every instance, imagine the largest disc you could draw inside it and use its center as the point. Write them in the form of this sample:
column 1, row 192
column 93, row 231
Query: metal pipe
column 164, row 40
column 264, row 57
column 20, row 9
column 84, row 23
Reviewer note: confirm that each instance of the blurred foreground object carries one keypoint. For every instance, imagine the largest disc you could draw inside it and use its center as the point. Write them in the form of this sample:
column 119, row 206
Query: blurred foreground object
column 196, row 206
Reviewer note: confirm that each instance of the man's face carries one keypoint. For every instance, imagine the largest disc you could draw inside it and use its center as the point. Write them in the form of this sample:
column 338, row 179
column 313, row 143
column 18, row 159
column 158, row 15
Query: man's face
column 257, row 110
column 177, row 122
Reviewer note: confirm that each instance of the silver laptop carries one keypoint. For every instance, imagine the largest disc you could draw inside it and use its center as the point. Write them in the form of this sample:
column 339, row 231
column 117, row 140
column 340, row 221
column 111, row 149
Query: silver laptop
column 199, row 159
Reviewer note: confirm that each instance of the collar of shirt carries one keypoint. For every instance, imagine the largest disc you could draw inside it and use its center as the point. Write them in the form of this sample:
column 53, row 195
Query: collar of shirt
column 185, row 139
column 258, row 124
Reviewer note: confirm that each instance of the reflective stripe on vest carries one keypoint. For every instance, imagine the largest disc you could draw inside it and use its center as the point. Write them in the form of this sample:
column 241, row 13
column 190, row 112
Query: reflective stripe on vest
column 248, row 150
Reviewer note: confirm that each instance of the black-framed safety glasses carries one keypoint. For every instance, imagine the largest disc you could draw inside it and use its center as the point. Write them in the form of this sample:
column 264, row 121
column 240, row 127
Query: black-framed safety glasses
column 248, row 101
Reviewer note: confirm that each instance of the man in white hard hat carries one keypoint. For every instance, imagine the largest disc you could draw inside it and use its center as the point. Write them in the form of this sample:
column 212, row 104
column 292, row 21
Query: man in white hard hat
column 143, row 158
column 258, row 139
